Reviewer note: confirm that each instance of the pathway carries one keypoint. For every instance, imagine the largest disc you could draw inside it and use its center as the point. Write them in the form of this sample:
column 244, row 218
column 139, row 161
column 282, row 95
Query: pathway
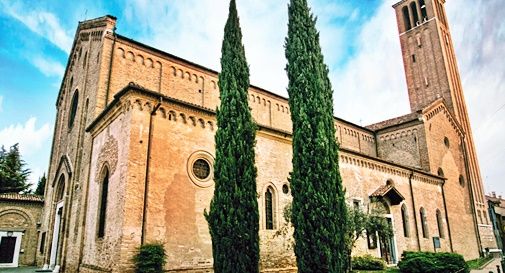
column 490, row 267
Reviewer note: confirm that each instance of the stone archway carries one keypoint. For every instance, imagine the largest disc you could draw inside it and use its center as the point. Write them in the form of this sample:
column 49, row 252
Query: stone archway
column 14, row 225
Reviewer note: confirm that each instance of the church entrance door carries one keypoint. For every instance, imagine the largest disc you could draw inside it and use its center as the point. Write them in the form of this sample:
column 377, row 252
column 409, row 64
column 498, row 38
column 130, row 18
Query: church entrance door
column 56, row 235
column 10, row 244
column 387, row 247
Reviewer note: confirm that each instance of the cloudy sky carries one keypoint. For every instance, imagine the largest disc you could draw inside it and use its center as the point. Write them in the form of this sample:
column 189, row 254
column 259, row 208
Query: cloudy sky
column 359, row 39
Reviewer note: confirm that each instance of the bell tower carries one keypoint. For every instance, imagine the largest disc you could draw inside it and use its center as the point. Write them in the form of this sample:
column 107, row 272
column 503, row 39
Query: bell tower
column 432, row 73
column 428, row 55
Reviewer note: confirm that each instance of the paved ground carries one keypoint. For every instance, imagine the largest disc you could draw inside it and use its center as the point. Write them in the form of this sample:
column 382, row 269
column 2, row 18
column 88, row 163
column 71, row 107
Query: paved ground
column 18, row 270
column 491, row 267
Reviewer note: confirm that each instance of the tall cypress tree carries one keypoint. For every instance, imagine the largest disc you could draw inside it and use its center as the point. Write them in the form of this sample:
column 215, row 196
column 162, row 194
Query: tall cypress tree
column 318, row 210
column 233, row 218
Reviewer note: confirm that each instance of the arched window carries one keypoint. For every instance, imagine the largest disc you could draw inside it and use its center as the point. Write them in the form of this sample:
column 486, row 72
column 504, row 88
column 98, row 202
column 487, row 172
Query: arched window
column 440, row 224
column 103, row 203
column 60, row 188
column 405, row 220
column 461, row 181
column 440, row 172
column 424, row 222
column 413, row 8
column 73, row 109
column 269, row 208
column 424, row 14
column 85, row 59
column 406, row 18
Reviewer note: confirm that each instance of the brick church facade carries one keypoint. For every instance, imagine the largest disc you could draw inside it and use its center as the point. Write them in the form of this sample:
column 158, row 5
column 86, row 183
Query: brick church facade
column 133, row 150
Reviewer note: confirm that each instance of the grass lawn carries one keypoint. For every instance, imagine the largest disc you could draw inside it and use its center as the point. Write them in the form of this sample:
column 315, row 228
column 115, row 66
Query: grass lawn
column 478, row 263
column 389, row 270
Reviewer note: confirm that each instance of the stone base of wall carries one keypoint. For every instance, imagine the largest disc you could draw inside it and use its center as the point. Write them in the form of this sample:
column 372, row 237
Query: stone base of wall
column 87, row 268
column 211, row 270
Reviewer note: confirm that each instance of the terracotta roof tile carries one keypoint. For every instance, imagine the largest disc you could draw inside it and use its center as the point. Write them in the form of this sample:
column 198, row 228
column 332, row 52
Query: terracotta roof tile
column 21, row 197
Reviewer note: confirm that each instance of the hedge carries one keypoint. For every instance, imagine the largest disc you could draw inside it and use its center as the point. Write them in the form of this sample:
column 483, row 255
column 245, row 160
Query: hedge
column 429, row 262
column 367, row 262
column 150, row 258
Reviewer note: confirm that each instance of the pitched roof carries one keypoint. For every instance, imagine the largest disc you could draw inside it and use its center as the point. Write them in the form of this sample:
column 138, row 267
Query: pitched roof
column 390, row 192
column 394, row 121
column 21, row 197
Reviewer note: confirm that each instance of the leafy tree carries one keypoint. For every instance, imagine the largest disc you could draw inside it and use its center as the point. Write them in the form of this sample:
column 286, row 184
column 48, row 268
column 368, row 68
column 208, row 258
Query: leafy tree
column 319, row 213
column 233, row 218
column 356, row 228
column 13, row 174
column 361, row 222
column 41, row 185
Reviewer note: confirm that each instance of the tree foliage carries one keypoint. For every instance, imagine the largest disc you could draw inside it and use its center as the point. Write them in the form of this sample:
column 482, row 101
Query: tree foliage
column 150, row 258
column 362, row 222
column 233, row 218
column 41, row 185
column 13, row 174
column 319, row 214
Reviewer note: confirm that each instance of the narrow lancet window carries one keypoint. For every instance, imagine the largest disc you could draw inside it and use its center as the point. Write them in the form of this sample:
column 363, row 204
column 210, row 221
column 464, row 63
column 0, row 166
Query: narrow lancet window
column 440, row 224
column 269, row 208
column 405, row 220
column 424, row 223
column 103, row 204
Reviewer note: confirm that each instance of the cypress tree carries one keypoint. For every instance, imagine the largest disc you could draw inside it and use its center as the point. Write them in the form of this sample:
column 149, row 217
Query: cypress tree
column 233, row 217
column 318, row 210
column 41, row 185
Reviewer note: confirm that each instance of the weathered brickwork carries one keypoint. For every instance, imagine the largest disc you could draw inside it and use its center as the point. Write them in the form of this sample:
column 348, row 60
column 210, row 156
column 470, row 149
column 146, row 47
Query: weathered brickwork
column 145, row 117
column 431, row 72
column 21, row 213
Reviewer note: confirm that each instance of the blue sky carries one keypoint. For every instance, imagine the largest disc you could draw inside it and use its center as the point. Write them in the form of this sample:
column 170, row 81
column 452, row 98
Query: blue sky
column 359, row 40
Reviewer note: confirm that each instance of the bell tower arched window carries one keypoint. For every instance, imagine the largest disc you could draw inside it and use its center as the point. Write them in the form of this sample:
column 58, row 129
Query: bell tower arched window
column 406, row 18
column 413, row 8
column 424, row 14
column 103, row 203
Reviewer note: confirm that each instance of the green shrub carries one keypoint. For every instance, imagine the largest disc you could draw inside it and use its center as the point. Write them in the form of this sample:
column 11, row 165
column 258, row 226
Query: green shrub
column 429, row 262
column 150, row 258
column 367, row 262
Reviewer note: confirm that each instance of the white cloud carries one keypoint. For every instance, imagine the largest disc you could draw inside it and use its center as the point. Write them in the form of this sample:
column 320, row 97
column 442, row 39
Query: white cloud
column 478, row 32
column 43, row 23
column 33, row 143
column 371, row 86
column 193, row 30
column 30, row 137
column 48, row 67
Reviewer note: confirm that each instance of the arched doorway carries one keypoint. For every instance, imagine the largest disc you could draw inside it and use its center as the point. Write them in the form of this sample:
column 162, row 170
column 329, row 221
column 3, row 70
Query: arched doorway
column 386, row 240
column 58, row 219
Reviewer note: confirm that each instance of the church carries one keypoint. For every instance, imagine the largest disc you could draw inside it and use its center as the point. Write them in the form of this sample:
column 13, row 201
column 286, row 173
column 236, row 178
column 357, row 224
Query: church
column 133, row 151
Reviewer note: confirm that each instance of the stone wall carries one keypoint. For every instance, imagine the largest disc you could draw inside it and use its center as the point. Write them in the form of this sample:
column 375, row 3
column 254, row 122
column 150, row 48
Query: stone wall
column 102, row 64
column 446, row 158
column 24, row 216
column 70, row 152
